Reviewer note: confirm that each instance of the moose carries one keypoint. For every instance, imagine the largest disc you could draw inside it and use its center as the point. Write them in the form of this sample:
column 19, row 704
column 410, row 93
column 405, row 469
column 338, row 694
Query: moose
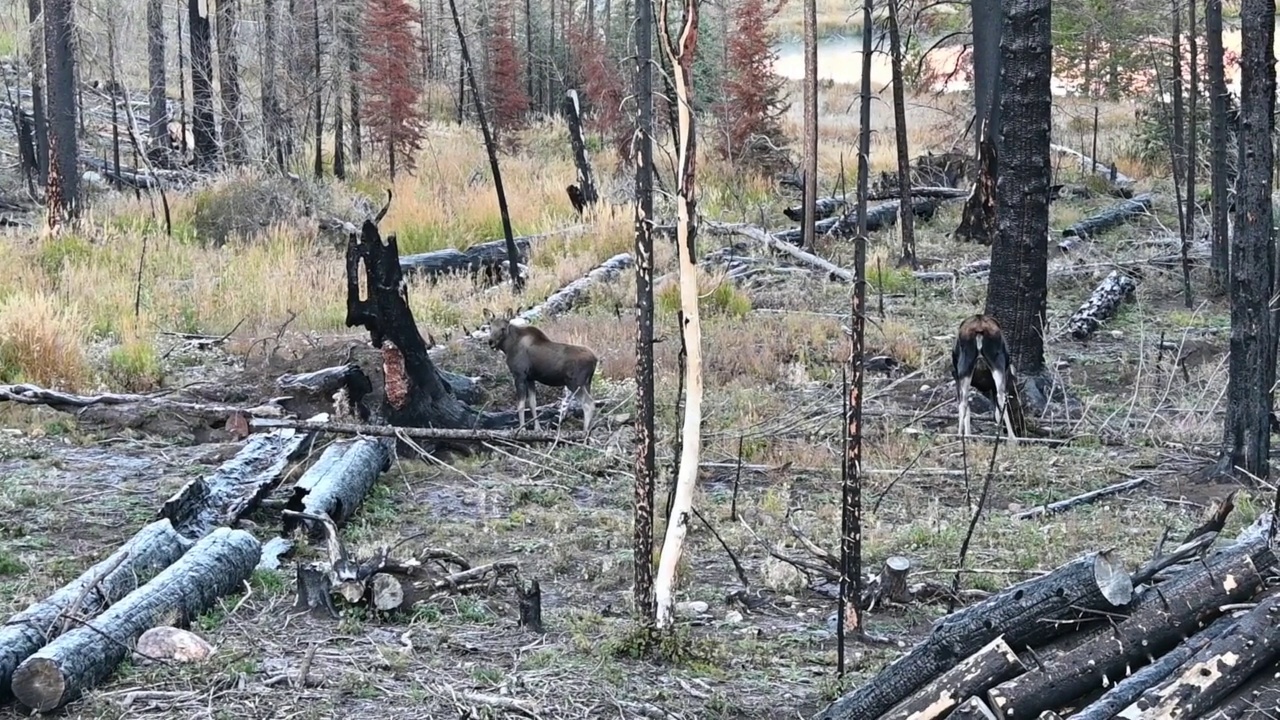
column 532, row 358
column 979, row 338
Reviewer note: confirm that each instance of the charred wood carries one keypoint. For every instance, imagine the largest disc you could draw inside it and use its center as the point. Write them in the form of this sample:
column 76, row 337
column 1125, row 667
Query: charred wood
column 1257, row 699
column 336, row 484
column 452, row 435
column 1102, row 305
column 153, row 548
column 823, row 209
column 991, row 665
column 1110, row 218
column 879, row 217
column 78, row 660
column 235, row 488
column 487, row 259
column 972, row 709
column 1035, row 611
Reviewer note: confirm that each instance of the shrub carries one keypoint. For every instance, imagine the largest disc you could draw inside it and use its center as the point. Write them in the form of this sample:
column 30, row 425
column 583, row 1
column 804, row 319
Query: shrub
column 42, row 342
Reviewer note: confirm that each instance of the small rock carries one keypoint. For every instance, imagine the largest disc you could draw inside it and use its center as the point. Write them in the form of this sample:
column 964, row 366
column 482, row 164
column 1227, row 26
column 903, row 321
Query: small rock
column 924, row 388
column 733, row 616
column 1117, row 334
column 692, row 608
column 171, row 643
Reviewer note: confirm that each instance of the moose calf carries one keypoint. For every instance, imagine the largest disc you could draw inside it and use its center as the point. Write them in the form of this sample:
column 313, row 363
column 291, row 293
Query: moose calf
column 532, row 357
column 979, row 337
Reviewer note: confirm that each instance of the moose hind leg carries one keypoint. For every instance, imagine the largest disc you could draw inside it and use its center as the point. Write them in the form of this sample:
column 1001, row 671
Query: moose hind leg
column 962, row 395
column 532, row 401
column 588, row 408
column 1002, row 402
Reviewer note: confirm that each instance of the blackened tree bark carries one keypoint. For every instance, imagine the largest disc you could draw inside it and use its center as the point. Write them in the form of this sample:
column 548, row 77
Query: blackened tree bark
column 906, row 218
column 37, row 90
column 1193, row 123
column 229, row 82
column 1017, row 291
column 351, row 33
column 203, row 128
column 810, row 123
column 987, row 27
column 1251, row 369
column 316, row 109
column 270, row 98
column 339, row 151
column 1219, row 258
column 644, row 461
column 158, row 116
column 62, row 188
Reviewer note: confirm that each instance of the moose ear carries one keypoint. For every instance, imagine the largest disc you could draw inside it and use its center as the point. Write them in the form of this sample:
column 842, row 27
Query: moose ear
column 511, row 313
column 488, row 314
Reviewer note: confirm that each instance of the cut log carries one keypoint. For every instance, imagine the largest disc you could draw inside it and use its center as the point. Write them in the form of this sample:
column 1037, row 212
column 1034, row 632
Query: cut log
column 487, row 258
column 1159, row 621
column 1129, row 689
column 940, row 193
column 1102, row 304
column 236, row 487
column 75, row 662
column 1089, row 166
column 994, row 663
column 972, row 709
column 845, row 226
column 823, row 209
column 153, row 548
column 337, row 483
column 1223, row 665
column 890, row 585
column 1032, row 612
column 1255, row 700
column 1111, row 217
column 1079, row 500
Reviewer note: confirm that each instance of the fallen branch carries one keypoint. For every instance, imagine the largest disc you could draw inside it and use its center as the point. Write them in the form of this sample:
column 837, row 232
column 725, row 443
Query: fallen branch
column 153, row 548
column 1102, row 304
column 1079, row 500
column 1089, row 166
column 77, row 661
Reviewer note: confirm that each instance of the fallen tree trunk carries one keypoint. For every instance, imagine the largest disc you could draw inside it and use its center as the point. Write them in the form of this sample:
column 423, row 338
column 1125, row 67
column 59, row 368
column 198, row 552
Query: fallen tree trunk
column 529, row 436
column 972, row 709
column 1079, row 500
column 1226, row 663
column 487, row 258
column 939, row 193
column 1110, row 218
column 1255, row 700
column 1129, row 689
column 153, row 548
column 1032, row 612
column 336, row 484
column 1102, row 304
column 236, row 487
column 1089, row 166
column 1159, row 621
column 845, row 226
column 78, row 660
column 573, row 294
column 823, row 209
column 993, row 664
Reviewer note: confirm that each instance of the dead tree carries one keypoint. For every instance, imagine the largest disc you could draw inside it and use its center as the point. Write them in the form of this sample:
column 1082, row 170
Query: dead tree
column 38, row 109
column 1219, row 256
column 158, row 104
column 62, row 190
column 978, row 219
column 810, row 118
column 229, row 82
column 202, row 121
column 906, row 221
column 586, row 180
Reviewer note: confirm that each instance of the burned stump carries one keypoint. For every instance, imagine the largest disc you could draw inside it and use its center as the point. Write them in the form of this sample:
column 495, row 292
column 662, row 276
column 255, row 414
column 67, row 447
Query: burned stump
column 78, row 660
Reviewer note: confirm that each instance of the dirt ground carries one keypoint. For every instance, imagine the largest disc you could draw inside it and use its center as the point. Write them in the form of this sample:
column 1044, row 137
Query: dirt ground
column 70, row 495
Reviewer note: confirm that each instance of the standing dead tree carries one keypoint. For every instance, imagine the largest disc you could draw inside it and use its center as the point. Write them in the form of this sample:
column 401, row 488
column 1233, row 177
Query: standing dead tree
column 62, row 189
column 906, row 221
column 202, row 121
column 810, row 198
column 586, row 180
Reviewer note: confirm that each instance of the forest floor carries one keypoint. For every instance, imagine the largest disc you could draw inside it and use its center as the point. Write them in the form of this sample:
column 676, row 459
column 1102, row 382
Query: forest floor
column 774, row 349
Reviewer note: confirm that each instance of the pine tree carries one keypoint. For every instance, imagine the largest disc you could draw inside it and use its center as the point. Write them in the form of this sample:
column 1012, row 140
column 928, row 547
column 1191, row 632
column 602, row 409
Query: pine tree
column 508, row 99
column 391, row 111
column 752, row 106
column 603, row 91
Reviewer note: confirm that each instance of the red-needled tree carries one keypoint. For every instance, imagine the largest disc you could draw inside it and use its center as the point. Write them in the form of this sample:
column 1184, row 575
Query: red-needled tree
column 393, row 117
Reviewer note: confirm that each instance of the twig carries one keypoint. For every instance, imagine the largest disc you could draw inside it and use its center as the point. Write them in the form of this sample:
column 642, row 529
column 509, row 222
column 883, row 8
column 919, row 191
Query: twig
column 1081, row 499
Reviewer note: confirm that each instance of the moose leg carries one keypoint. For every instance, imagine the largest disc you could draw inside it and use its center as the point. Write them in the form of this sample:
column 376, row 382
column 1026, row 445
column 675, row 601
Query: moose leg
column 522, row 397
column 962, row 394
column 588, row 409
column 1002, row 402
column 532, row 402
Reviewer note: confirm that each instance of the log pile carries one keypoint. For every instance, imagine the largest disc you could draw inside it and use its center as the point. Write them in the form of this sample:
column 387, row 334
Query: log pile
column 1193, row 633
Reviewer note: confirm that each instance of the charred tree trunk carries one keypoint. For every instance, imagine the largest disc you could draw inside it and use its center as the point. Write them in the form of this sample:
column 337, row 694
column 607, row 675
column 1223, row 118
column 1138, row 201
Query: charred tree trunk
column 38, row 111
column 158, row 104
column 975, row 674
column 645, row 470
column 202, row 122
column 1251, row 366
column 317, row 110
column 906, row 219
column 182, row 86
column 339, row 153
column 810, row 198
column 229, row 82
column 351, row 32
column 338, row 482
column 987, row 73
column 62, row 190
column 1219, row 257
column 513, row 253
column 978, row 218
column 78, row 660
column 270, row 99
column 1017, row 292
column 586, row 179
column 1193, row 150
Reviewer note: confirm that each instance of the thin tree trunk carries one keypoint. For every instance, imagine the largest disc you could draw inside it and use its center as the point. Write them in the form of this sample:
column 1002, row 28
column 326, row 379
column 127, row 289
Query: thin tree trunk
column 115, row 106
column 339, row 153
column 987, row 29
column 158, row 117
column 182, row 83
column 528, row 47
column 513, row 252
column 62, row 189
column 906, row 218
column 645, row 441
column 681, row 58
column 1193, row 126
column 270, row 99
column 1251, row 367
column 1219, row 258
column 202, row 120
column 1180, row 151
column 229, row 82
column 38, row 112
column 351, row 32
column 316, row 108
column 810, row 123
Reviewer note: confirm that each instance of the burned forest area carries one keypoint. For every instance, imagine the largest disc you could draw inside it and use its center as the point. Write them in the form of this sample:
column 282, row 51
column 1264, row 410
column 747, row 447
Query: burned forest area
column 327, row 328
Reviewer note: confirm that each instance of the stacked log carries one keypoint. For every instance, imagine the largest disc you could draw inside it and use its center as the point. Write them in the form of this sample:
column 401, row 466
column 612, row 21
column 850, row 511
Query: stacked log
column 1197, row 638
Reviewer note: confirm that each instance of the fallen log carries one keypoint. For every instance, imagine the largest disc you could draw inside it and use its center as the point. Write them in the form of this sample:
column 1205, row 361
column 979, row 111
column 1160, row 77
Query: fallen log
column 823, row 209
column 1110, row 218
column 1035, row 611
column 939, row 193
column 81, row 658
column 236, row 487
column 153, row 548
column 845, row 226
column 489, row 258
column 1157, row 623
column 1123, row 693
column 1090, row 166
column 994, row 663
column 510, row 436
column 1255, row 700
column 573, row 294
column 336, row 484
column 1102, row 304
column 1220, row 667
column 1070, row 503
column 972, row 709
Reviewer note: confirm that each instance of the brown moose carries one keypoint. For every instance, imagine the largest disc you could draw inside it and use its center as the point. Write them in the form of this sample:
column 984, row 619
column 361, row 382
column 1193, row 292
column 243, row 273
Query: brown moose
column 532, row 358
